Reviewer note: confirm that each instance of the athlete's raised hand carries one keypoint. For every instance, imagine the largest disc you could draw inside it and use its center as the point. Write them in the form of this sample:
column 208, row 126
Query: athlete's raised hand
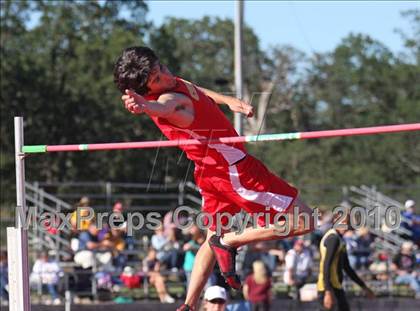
column 235, row 104
column 240, row 106
column 134, row 102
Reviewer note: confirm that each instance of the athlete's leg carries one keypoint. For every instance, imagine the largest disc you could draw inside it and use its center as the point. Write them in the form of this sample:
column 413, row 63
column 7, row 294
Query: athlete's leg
column 284, row 228
column 341, row 300
column 203, row 267
column 298, row 221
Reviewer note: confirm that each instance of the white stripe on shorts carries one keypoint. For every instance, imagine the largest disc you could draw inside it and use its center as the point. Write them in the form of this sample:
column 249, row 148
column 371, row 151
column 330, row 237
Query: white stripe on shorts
column 277, row 201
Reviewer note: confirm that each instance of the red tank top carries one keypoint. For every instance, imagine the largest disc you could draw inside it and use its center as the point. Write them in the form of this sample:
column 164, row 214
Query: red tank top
column 209, row 123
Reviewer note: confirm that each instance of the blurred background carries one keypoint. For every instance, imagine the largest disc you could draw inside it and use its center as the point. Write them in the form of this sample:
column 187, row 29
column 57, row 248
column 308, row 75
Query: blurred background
column 326, row 65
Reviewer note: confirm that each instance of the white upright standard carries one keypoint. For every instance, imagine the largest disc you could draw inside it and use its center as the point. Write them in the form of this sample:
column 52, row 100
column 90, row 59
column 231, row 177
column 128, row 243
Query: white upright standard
column 239, row 81
column 17, row 237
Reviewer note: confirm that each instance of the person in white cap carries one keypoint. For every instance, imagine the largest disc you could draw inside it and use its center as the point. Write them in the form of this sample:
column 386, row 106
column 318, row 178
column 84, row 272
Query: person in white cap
column 215, row 299
column 412, row 221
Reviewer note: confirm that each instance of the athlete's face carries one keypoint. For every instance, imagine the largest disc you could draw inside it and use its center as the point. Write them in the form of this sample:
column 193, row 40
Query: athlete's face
column 160, row 79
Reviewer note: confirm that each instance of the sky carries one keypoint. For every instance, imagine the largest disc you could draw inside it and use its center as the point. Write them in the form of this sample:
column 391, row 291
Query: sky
column 307, row 25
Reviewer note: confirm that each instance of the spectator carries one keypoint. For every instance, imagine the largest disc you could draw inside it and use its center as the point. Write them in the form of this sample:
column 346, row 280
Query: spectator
column 151, row 266
column 268, row 252
column 46, row 272
column 379, row 267
column 298, row 266
column 215, row 299
column 350, row 238
column 82, row 209
column 91, row 249
column 271, row 252
column 363, row 251
column 324, row 222
column 88, row 240
column 412, row 222
column 190, row 248
column 4, row 278
column 257, row 287
column 167, row 247
column 406, row 268
column 114, row 242
column 130, row 278
column 118, row 208
column 169, row 223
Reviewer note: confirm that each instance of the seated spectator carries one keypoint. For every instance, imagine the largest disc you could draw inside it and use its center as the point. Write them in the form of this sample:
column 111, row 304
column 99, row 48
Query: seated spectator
column 298, row 266
column 130, row 278
column 269, row 252
column 167, row 247
column 114, row 242
column 91, row 249
column 82, row 209
column 379, row 267
column 363, row 251
column 406, row 268
column 257, row 287
column 46, row 272
column 118, row 208
column 151, row 266
column 103, row 280
column 4, row 278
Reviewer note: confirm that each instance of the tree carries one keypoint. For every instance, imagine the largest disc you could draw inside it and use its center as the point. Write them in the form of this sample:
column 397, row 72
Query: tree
column 58, row 75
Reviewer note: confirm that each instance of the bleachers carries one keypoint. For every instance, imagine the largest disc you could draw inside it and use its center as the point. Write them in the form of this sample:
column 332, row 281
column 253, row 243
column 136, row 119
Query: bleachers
column 153, row 201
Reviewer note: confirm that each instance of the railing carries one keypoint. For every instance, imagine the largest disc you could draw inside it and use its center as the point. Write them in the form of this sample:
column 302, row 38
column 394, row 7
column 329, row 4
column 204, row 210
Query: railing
column 374, row 201
column 40, row 238
column 139, row 196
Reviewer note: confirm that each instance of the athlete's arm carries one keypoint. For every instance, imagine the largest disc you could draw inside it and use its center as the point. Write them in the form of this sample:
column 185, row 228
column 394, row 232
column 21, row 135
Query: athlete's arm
column 353, row 275
column 350, row 272
column 234, row 104
column 169, row 106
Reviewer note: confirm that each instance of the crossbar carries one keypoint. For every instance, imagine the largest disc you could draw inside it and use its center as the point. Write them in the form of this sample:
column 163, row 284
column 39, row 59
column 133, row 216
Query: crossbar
column 238, row 139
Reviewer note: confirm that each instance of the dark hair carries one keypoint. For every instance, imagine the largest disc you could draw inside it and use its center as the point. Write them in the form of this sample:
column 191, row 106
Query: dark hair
column 133, row 67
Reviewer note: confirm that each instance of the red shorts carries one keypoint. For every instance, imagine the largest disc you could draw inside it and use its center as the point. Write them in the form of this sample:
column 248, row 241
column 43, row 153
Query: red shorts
column 247, row 185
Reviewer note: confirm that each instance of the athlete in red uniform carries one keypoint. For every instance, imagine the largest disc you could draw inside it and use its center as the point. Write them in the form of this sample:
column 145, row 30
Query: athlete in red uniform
column 228, row 177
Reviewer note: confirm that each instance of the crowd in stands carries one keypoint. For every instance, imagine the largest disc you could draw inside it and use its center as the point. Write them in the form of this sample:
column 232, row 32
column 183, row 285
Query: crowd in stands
column 112, row 258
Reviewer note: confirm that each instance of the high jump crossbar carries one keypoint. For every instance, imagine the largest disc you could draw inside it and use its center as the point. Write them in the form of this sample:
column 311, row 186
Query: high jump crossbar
column 17, row 240
column 239, row 139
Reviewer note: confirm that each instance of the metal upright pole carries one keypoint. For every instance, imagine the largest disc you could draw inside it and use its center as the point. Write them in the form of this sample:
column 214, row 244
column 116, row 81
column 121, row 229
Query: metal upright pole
column 239, row 12
column 17, row 238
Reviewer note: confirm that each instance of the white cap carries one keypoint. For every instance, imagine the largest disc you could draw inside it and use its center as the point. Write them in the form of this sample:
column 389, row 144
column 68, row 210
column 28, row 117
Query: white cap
column 407, row 245
column 128, row 270
column 409, row 204
column 215, row 292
